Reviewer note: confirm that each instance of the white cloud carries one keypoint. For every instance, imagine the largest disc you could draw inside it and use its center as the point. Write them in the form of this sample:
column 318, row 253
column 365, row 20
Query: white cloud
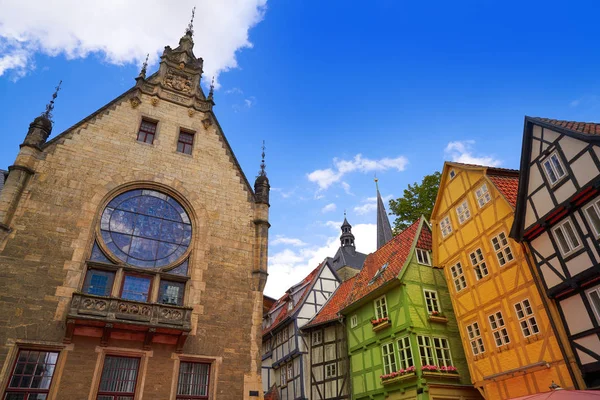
column 280, row 239
column 333, row 224
column 123, row 32
column 370, row 204
column 288, row 267
column 234, row 90
column 329, row 208
column 346, row 187
column 462, row 151
column 326, row 177
column 282, row 193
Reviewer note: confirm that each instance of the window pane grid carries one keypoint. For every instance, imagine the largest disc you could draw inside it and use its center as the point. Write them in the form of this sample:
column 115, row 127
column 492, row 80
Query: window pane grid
column 147, row 132
column 136, row 288
column 446, row 226
column 425, row 350
column 553, row 168
column 171, row 293
column 502, row 249
column 463, row 212
column 431, row 301
column 423, row 257
column 32, row 375
column 458, row 276
column 593, row 213
column 119, row 378
column 185, row 142
column 483, row 195
column 478, row 263
column 98, row 283
column 498, row 329
column 526, row 318
column 475, row 339
column 566, row 237
column 442, row 352
column 389, row 358
column 380, row 308
column 194, row 380
column 405, row 353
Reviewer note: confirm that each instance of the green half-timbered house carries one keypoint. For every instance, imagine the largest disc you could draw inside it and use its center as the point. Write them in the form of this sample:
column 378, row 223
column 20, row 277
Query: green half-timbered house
column 403, row 339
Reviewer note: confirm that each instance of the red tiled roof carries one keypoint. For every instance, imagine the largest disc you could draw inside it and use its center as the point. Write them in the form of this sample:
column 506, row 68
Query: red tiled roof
column 394, row 253
column 588, row 128
column 508, row 185
column 339, row 299
column 272, row 394
column 283, row 300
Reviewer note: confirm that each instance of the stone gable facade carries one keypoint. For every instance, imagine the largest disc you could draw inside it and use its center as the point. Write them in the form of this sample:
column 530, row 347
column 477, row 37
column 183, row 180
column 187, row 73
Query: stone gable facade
column 50, row 211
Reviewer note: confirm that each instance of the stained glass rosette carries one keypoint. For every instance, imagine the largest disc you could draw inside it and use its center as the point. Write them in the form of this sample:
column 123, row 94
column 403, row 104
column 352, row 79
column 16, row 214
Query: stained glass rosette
column 145, row 228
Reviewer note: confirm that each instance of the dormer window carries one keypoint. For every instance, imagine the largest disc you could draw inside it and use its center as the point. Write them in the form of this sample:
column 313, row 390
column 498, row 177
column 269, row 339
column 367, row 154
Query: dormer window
column 378, row 273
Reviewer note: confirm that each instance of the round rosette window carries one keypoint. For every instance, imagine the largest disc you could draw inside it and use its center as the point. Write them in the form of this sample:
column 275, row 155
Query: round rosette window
column 146, row 228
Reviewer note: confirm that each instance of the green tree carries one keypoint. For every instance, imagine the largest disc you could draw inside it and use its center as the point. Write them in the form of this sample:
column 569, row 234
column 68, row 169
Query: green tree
column 417, row 200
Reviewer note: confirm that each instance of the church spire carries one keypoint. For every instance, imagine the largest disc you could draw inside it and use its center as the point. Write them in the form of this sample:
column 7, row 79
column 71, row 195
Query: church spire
column 347, row 238
column 261, row 184
column 384, row 230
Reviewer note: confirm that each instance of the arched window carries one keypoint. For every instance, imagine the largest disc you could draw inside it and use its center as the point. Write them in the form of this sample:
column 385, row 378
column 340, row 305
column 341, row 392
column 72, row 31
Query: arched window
column 141, row 229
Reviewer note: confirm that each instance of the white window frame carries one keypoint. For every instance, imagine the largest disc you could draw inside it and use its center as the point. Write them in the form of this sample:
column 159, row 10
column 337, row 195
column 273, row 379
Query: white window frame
column 462, row 212
column 551, row 162
column 423, row 257
column 569, row 240
column 290, row 371
column 330, row 370
column 317, row 337
column 526, row 318
column 498, row 327
column 446, row 226
column 405, row 356
column 483, row 196
column 595, row 207
column 595, row 303
column 354, row 321
column 380, row 305
column 441, row 350
column 458, row 276
column 282, row 375
column 475, row 339
column 431, row 301
column 478, row 263
column 426, row 353
column 388, row 355
column 502, row 249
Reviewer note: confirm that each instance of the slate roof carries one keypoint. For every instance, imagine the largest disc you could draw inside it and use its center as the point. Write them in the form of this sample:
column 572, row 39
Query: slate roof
column 330, row 311
column 283, row 301
column 395, row 253
column 588, row 128
column 347, row 256
column 384, row 230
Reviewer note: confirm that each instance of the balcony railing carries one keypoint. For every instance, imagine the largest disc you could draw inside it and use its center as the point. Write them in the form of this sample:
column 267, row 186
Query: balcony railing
column 111, row 313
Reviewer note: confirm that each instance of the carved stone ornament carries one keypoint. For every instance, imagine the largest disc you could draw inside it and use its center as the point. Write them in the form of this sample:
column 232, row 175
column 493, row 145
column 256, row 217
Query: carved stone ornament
column 154, row 101
column 178, row 80
column 191, row 112
column 207, row 122
column 203, row 105
column 135, row 101
column 171, row 314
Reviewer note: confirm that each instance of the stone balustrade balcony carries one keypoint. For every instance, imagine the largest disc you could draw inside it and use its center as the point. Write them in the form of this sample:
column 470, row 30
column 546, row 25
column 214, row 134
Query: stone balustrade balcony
column 111, row 317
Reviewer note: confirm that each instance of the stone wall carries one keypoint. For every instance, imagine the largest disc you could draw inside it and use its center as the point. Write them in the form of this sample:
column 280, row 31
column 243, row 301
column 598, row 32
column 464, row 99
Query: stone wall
column 42, row 260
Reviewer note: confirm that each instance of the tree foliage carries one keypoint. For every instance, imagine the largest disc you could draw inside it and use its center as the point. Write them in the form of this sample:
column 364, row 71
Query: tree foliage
column 417, row 200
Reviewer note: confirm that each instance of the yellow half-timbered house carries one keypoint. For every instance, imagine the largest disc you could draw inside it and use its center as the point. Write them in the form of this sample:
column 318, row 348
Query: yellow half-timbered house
column 508, row 338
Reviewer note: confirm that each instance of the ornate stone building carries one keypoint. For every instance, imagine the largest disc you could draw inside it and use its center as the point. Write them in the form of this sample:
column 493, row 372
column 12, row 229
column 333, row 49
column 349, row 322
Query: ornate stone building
column 133, row 251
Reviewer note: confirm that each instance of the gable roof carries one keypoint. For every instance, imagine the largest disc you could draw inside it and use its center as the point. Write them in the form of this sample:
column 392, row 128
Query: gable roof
column 585, row 131
column 347, row 256
column 330, row 311
column 395, row 254
column 505, row 180
column 299, row 290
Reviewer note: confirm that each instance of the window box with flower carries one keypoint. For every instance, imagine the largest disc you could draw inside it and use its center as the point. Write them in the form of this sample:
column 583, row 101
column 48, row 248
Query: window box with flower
column 436, row 316
column 380, row 323
column 433, row 371
column 398, row 376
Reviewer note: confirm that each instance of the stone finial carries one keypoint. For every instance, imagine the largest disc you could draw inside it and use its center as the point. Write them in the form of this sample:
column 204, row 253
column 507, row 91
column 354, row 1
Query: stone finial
column 211, row 93
column 41, row 127
column 50, row 106
column 142, row 74
column 263, row 166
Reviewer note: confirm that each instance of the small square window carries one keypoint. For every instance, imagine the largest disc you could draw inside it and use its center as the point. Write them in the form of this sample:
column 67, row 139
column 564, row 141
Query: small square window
column 119, row 378
column 502, row 249
column 194, row 381
column 331, row 370
column 98, row 282
column 354, row 321
column 499, row 329
column 185, row 142
column 136, row 287
column 423, row 257
column 526, row 318
column 478, row 263
column 458, row 277
column 290, row 371
column 452, row 174
column 32, row 374
column 147, row 132
column 446, row 226
column 475, row 339
column 171, row 293
column 566, row 237
column 553, row 168
column 431, row 301
column 380, row 308
column 317, row 337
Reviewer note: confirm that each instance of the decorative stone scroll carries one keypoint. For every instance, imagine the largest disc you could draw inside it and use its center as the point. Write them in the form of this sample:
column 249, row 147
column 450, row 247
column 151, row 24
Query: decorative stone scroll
column 178, row 80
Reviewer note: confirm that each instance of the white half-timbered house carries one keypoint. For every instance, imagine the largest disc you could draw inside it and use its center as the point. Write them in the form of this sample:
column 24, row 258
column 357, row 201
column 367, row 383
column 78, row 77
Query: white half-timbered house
column 558, row 216
column 285, row 348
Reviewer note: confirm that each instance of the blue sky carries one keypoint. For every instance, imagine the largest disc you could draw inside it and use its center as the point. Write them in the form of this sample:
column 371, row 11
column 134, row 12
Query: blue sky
column 340, row 90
